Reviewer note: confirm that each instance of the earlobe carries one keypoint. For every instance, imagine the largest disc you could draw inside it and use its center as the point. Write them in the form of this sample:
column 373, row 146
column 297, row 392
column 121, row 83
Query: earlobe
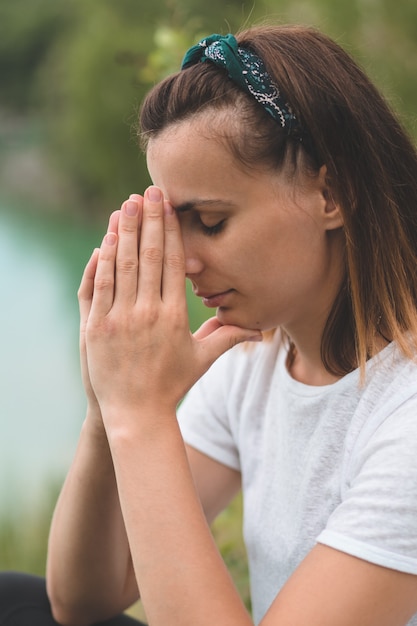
column 332, row 212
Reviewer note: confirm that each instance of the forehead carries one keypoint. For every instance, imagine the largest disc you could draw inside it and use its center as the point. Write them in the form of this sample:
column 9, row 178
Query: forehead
column 193, row 166
column 193, row 149
column 198, row 132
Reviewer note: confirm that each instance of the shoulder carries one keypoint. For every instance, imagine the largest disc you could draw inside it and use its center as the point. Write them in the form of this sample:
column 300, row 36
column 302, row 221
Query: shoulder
column 390, row 387
column 375, row 519
column 386, row 411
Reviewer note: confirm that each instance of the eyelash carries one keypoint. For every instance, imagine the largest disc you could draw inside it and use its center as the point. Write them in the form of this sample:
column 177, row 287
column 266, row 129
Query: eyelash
column 211, row 230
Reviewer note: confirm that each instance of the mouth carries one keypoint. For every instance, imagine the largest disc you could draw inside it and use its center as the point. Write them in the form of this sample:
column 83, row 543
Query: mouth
column 213, row 299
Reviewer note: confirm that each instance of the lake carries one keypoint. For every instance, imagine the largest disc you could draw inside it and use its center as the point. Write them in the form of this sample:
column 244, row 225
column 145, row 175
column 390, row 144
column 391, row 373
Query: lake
column 41, row 398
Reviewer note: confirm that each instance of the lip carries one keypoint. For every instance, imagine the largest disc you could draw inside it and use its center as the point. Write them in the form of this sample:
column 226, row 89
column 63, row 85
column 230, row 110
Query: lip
column 214, row 299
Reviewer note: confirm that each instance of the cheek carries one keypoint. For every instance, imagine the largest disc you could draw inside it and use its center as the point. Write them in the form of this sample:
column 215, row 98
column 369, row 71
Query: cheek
column 281, row 253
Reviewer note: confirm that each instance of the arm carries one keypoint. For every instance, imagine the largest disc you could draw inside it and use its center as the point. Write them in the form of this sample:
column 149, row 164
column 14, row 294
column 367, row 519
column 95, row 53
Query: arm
column 330, row 587
column 142, row 359
column 215, row 483
column 184, row 569
column 90, row 575
column 89, row 571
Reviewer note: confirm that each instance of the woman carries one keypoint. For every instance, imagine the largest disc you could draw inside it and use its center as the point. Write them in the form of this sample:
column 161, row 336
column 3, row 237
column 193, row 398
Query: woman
column 286, row 191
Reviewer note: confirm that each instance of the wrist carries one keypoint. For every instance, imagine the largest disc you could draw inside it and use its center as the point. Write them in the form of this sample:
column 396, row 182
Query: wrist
column 123, row 425
column 93, row 423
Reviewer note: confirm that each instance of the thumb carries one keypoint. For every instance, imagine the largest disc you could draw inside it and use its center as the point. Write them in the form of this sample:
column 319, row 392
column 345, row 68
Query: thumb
column 207, row 328
column 223, row 338
column 85, row 291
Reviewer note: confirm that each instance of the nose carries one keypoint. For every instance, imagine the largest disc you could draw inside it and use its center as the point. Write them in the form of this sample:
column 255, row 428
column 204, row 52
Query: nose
column 192, row 266
column 193, row 259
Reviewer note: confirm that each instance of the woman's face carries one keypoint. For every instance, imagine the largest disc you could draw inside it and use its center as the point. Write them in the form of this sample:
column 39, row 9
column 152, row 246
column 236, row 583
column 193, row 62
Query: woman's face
column 260, row 248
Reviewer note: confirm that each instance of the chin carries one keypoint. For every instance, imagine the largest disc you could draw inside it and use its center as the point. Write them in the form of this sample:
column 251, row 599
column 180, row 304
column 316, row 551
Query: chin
column 228, row 316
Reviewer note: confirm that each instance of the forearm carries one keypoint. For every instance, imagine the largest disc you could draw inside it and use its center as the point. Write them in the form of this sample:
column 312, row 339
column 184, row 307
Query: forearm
column 142, row 359
column 182, row 577
column 88, row 556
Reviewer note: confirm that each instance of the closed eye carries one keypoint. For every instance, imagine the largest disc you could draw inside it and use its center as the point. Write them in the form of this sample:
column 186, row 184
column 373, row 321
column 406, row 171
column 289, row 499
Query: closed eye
column 208, row 208
column 211, row 230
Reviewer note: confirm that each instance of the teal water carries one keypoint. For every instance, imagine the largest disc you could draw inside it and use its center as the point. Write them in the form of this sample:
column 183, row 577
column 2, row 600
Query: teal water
column 41, row 398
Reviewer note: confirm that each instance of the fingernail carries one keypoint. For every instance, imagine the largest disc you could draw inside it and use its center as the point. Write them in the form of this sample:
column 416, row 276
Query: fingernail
column 131, row 208
column 168, row 208
column 154, row 194
column 110, row 239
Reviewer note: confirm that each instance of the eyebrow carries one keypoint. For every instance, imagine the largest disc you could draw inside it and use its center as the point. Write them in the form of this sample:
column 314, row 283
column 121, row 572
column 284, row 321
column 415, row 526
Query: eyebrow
column 195, row 205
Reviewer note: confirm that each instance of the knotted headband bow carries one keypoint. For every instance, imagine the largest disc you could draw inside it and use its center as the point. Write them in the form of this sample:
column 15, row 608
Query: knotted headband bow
column 247, row 71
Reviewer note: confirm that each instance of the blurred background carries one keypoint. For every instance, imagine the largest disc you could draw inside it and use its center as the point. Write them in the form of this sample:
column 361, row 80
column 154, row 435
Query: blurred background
column 72, row 76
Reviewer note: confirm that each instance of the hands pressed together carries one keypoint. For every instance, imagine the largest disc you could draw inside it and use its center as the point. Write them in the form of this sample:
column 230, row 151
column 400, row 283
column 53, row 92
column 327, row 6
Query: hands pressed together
column 136, row 346
column 134, row 519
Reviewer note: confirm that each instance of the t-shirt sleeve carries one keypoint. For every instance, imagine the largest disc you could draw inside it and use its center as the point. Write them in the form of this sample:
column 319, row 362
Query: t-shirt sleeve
column 204, row 415
column 377, row 517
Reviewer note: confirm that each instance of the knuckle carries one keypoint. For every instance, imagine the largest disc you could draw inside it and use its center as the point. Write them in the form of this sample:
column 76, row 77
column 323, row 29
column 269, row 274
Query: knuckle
column 177, row 319
column 175, row 262
column 153, row 213
column 127, row 228
column 96, row 328
column 91, row 331
column 127, row 266
column 152, row 255
column 103, row 283
column 107, row 254
column 83, row 299
column 150, row 314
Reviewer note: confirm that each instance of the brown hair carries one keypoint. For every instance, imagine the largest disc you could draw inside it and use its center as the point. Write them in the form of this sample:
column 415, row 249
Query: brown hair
column 371, row 168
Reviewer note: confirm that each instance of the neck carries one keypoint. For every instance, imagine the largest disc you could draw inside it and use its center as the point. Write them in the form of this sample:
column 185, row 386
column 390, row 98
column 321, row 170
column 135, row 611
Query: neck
column 306, row 330
column 306, row 365
column 308, row 368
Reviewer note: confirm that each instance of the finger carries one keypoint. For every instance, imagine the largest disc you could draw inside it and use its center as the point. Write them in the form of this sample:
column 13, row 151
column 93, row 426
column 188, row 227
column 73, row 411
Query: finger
column 173, row 277
column 86, row 289
column 113, row 226
column 103, row 294
column 137, row 198
column 151, row 251
column 222, row 339
column 207, row 328
column 211, row 325
column 127, row 261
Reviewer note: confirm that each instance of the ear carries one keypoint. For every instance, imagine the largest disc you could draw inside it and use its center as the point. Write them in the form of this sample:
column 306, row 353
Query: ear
column 332, row 213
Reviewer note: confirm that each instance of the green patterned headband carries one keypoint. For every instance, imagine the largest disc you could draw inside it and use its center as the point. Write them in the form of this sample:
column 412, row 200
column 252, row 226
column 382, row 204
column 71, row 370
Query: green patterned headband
column 247, row 71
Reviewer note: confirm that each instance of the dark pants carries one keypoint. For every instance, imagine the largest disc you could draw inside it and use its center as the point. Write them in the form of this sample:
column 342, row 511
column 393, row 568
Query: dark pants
column 23, row 602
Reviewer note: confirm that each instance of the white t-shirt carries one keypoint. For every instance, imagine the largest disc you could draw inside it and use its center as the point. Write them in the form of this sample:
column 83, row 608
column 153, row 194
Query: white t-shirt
column 335, row 464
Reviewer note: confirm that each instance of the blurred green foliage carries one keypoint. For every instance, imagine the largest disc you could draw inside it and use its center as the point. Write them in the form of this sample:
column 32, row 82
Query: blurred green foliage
column 82, row 67
column 76, row 72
